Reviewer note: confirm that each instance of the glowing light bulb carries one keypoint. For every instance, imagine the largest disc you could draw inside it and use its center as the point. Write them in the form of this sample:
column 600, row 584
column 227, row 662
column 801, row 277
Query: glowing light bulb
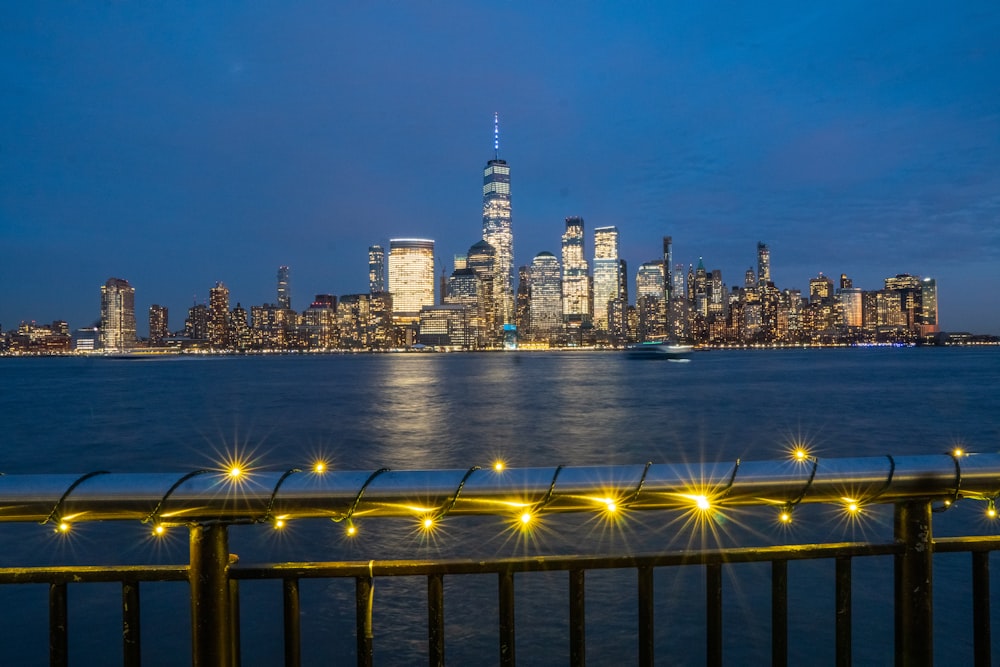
column 319, row 466
column 159, row 530
column 610, row 506
column 785, row 516
column 991, row 510
column 853, row 507
column 800, row 454
column 958, row 451
column 351, row 530
column 498, row 466
column 428, row 523
column 279, row 524
column 702, row 503
column 526, row 518
column 63, row 527
column 235, row 472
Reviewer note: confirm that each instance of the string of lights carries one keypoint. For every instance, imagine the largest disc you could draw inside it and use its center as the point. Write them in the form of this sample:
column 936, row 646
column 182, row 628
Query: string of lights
column 238, row 493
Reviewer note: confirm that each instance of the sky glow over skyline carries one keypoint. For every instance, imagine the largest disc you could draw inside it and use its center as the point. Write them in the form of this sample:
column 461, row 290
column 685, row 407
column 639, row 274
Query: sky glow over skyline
column 175, row 146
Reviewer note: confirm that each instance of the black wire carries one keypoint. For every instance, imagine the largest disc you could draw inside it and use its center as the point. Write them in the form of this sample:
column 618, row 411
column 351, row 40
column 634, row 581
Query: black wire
column 55, row 510
column 357, row 499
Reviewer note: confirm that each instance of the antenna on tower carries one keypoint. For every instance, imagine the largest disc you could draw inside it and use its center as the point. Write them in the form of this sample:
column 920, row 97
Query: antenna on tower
column 496, row 135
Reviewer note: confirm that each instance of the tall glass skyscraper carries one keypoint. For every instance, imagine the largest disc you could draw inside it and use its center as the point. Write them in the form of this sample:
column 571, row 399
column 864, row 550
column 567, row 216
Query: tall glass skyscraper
column 497, row 228
column 576, row 274
column 763, row 263
column 545, row 296
column 376, row 269
column 411, row 277
column 606, row 273
column 218, row 324
column 284, row 289
column 117, row 315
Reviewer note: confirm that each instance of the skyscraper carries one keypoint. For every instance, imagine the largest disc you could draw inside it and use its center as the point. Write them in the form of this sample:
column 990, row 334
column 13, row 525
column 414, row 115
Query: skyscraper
column 497, row 228
column 576, row 274
column 545, row 296
column 376, row 269
column 158, row 326
column 218, row 324
column 411, row 278
column 117, row 315
column 606, row 273
column 763, row 263
column 284, row 289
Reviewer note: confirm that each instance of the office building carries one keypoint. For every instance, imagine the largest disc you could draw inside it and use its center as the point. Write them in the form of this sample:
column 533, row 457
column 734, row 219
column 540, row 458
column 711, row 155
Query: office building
column 497, row 229
column 376, row 269
column 544, row 297
column 117, row 315
column 763, row 264
column 576, row 275
column 284, row 289
column 158, row 325
column 218, row 324
column 411, row 278
column 606, row 285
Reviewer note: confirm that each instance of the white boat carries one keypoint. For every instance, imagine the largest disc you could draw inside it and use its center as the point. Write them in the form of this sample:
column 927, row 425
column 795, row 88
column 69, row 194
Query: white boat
column 659, row 349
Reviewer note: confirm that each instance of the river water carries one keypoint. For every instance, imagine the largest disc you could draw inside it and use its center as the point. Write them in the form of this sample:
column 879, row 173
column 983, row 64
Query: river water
column 415, row 411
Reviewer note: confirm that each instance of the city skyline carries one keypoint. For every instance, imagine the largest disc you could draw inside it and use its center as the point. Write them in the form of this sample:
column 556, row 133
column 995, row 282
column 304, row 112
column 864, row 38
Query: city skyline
column 851, row 139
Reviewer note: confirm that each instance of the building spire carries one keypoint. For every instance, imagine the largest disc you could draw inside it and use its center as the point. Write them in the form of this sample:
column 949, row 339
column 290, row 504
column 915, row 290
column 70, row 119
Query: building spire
column 496, row 135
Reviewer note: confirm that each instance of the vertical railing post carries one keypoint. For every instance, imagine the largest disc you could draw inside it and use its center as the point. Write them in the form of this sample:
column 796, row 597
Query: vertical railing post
column 435, row 619
column 844, row 619
column 646, row 635
column 58, row 644
column 779, row 613
column 131, row 647
column 506, row 594
column 363, row 592
column 713, row 614
column 577, row 618
column 913, row 579
column 211, row 615
column 981, row 607
column 292, row 621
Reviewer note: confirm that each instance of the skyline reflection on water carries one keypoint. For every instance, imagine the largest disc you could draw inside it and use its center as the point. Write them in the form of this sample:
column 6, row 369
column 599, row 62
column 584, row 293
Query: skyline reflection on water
column 416, row 411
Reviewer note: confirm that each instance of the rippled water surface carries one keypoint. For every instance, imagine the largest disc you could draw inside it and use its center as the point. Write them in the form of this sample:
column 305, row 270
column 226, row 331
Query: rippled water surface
column 400, row 411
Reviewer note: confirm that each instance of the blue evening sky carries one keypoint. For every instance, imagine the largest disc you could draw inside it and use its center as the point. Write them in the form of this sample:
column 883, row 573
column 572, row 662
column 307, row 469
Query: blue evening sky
column 179, row 144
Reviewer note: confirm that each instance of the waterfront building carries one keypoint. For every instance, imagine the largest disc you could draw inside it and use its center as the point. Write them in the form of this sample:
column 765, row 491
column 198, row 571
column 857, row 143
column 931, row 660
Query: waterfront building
column 196, row 326
column 497, row 230
column 449, row 325
column 606, row 273
column 240, row 337
column 576, row 288
column 376, row 269
column 928, row 319
column 364, row 321
column 411, row 278
column 31, row 338
column 545, row 297
column 522, row 301
column 319, row 323
column 284, row 288
column 218, row 324
column 117, row 315
column 851, row 305
column 482, row 261
column 272, row 327
column 158, row 326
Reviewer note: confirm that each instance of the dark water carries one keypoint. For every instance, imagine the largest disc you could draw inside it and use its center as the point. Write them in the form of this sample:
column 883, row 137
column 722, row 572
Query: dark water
column 454, row 411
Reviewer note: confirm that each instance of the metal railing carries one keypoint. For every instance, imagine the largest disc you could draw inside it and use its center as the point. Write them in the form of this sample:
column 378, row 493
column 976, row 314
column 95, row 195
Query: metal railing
column 210, row 501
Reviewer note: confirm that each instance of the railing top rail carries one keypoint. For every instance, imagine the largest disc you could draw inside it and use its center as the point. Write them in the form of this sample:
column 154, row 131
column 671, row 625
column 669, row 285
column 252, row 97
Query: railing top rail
column 237, row 495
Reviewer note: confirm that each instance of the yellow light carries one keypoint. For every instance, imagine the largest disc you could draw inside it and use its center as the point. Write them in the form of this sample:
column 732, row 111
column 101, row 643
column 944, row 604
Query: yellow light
column 63, row 527
column 498, row 466
column 785, row 516
column 428, row 523
column 610, row 506
column 319, row 467
column 159, row 530
column 235, row 471
column 958, row 451
column 279, row 524
column 853, row 507
column 351, row 530
column 800, row 453
column 702, row 503
column 526, row 518
column 991, row 510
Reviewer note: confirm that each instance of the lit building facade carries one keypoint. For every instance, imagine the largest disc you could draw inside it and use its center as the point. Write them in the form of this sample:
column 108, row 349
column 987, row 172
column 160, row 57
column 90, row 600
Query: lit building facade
column 376, row 269
column 545, row 297
column 606, row 274
column 218, row 324
column 158, row 325
column 576, row 275
column 763, row 264
column 284, row 288
column 411, row 278
column 497, row 230
column 117, row 315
